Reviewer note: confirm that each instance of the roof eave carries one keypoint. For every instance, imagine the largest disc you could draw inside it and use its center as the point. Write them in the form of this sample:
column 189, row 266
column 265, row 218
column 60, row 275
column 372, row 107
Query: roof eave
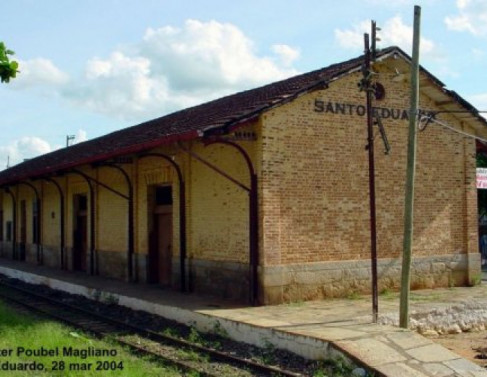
column 102, row 157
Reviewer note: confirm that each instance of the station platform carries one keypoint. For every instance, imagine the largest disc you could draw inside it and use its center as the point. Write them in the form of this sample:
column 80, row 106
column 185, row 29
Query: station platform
column 316, row 329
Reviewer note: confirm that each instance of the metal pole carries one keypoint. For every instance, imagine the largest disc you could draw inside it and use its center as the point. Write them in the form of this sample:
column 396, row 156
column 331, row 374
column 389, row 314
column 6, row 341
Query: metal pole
column 373, row 222
column 411, row 165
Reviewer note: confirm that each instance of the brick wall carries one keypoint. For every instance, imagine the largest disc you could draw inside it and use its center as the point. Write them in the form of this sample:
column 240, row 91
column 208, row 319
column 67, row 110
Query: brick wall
column 315, row 201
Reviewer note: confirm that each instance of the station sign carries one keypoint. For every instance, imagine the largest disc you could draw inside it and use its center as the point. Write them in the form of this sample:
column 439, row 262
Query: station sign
column 482, row 178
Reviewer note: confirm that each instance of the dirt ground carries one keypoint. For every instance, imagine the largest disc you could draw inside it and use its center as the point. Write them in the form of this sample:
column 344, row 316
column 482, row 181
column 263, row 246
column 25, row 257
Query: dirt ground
column 470, row 345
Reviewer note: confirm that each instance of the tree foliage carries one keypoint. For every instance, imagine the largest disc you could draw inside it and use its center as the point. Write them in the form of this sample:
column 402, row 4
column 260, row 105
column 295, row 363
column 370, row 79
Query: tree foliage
column 8, row 68
column 481, row 160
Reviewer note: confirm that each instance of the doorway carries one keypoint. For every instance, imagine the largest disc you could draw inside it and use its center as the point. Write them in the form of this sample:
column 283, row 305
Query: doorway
column 160, row 235
column 80, row 232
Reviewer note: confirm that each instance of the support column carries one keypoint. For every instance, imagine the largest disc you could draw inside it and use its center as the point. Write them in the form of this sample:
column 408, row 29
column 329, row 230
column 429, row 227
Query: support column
column 470, row 221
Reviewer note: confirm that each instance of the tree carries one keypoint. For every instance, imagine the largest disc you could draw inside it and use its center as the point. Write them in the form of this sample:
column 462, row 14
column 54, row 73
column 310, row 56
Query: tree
column 8, row 68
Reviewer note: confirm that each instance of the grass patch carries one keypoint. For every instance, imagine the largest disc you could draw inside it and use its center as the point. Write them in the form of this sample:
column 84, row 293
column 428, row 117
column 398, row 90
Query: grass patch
column 425, row 297
column 32, row 342
column 353, row 295
column 388, row 294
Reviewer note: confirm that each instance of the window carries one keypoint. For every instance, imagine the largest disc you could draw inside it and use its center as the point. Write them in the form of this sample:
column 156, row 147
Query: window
column 163, row 195
column 82, row 202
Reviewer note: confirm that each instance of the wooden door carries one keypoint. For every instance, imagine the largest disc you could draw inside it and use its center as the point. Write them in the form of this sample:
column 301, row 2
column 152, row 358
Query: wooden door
column 160, row 236
column 80, row 243
column 164, row 247
column 160, row 249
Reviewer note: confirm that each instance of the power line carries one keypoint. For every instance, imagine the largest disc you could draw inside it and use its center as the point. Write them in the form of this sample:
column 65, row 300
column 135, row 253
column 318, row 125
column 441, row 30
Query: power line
column 430, row 119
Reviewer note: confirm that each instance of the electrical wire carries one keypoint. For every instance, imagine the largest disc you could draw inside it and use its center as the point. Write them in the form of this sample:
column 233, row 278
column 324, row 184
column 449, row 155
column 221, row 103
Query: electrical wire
column 430, row 119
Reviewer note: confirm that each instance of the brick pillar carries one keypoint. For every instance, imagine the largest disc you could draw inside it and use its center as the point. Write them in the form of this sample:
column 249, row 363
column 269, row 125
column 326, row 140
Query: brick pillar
column 471, row 236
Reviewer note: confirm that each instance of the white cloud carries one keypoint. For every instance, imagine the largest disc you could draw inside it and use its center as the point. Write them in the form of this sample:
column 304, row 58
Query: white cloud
column 23, row 148
column 479, row 101
column 211, row 53
column 173, row 68
column 471, row 17
column 168, row 69
column 80, row 136
column 478, row 53
column 40, row 73
column 393, row 33
column 119, row 85
column 286, row 53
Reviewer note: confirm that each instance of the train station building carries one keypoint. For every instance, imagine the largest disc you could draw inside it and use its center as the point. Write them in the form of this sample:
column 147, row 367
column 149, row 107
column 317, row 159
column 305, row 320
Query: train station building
column 260, row 195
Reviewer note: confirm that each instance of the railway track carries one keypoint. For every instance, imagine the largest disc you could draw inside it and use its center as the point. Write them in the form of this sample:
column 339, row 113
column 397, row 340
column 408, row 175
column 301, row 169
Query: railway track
column 162, row 347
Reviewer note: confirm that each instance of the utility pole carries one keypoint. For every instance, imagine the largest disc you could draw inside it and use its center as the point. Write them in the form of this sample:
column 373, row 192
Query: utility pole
column 375, row 39
column 366, row 85
column 411, row 166
column 68, row 139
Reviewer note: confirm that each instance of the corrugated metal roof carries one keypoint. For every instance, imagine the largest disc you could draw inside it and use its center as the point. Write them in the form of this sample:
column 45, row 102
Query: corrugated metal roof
column 186, row 124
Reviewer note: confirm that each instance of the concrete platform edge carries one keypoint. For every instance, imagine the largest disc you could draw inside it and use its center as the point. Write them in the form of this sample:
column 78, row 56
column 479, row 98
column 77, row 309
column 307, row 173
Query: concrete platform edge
column 383, row 350
column 305, row 346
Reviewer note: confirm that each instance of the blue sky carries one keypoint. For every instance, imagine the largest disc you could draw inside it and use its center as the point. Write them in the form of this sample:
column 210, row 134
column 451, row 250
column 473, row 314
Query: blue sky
column 89, row 67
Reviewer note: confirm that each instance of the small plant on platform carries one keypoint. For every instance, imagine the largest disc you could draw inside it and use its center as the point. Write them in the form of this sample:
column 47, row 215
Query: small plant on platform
column 219, row 330
column 320, row 373
column 476, row 280
column 110, row 299
column 295, row 304
column 194, row 336
column 387, row 294
column 353, row 295
column 425, row 297
column 337, row 367
column 451, row 281
column 268, row 355
column 169, row 331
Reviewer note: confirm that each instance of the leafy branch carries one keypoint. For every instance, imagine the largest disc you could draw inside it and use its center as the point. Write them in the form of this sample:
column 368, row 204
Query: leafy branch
column 8, row 68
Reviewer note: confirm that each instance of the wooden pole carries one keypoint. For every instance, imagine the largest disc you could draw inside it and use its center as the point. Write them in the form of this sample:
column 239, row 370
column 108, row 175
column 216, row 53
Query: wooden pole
column 411, row 165
column 370, row 146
